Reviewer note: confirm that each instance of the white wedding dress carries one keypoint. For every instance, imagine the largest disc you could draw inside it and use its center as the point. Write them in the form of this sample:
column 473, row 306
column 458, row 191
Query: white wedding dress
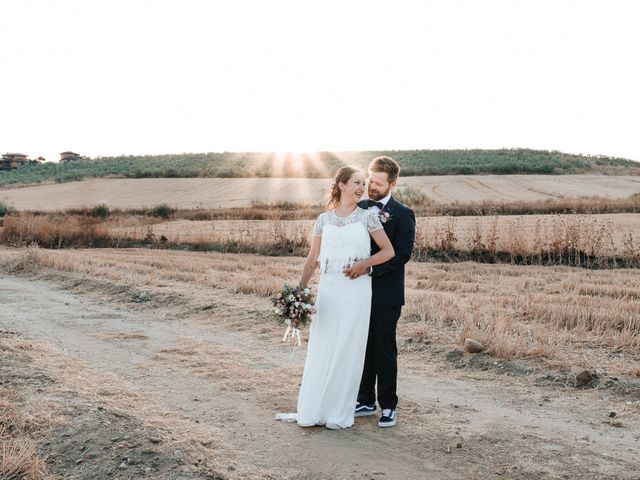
column 340, row 327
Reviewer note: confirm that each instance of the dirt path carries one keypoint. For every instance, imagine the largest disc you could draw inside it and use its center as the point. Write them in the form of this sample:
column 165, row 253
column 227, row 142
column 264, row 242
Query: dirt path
column 210, row 379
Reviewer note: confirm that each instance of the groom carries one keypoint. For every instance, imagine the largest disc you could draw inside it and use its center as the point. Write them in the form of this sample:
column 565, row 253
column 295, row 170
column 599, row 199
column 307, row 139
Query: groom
column 387, row 283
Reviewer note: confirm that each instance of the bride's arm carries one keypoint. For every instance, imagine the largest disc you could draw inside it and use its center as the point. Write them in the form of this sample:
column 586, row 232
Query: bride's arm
column 311, row 263
column 386, row 253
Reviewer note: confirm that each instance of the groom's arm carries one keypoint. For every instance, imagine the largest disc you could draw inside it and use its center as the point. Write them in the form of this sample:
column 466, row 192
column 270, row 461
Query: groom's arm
column 403, row 246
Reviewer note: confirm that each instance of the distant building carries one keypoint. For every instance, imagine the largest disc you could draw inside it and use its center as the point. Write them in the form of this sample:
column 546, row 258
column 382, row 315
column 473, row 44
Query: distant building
column 12, row 160
column 68, row 156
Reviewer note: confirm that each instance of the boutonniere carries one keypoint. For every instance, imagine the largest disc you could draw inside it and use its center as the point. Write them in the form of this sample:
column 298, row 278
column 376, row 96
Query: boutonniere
column 384, row 217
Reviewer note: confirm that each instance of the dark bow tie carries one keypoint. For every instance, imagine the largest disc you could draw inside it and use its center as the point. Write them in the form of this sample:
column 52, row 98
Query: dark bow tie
column 373, row 203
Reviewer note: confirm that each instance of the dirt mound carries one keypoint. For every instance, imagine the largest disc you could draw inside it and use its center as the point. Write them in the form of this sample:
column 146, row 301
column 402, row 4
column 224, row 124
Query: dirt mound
column 81, row 437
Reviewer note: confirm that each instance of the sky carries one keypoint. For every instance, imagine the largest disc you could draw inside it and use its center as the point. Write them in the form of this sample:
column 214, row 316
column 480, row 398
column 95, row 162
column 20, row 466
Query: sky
column 105, row 78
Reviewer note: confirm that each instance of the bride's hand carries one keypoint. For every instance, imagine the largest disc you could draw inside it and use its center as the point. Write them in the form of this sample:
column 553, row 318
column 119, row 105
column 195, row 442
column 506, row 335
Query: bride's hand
column 357, row 269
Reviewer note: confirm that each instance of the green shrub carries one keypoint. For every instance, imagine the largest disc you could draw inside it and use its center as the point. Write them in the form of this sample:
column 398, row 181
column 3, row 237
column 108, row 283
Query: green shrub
column 163, row 211
column 5, row 208
column 101, row 211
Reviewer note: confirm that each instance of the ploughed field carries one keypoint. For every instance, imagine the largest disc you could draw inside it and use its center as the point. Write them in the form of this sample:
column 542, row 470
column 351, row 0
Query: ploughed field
column 185, row 193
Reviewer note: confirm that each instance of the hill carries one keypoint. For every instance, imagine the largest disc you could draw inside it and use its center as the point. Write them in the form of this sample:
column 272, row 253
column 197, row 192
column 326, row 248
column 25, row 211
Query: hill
column 320, row 165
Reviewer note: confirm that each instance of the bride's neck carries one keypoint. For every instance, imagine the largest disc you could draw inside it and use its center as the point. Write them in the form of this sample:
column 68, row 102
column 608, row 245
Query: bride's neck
column 345, row 207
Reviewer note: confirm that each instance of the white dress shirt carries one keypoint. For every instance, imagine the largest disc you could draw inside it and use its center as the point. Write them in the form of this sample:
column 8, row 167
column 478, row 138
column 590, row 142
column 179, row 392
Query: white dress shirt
column 375, row 209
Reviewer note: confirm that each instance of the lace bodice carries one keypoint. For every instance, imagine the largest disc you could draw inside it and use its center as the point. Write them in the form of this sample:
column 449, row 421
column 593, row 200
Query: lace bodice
column 344, row 239
column 367, row 217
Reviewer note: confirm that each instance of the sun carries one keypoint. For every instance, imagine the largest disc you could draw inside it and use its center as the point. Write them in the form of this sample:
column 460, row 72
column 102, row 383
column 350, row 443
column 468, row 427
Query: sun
column 298, row 164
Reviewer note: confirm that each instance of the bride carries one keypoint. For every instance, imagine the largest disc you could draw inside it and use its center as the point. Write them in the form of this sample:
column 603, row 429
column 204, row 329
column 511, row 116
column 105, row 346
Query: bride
column 338, row 335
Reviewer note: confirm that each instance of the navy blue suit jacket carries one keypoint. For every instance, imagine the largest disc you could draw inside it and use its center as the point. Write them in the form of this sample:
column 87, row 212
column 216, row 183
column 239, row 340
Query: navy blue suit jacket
column 387, row 280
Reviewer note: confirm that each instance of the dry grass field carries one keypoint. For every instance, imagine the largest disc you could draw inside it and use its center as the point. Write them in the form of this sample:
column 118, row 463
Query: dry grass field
column 168, row 364
column 596, row 234
column 206, row 193
column 602, row 241
column 517, row 311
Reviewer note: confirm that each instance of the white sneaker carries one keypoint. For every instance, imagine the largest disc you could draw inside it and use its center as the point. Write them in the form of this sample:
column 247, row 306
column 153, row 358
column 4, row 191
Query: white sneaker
column 388, row 418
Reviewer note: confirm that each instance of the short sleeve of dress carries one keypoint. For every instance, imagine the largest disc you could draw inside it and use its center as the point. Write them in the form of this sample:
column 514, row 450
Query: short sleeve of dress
column 317, row 228
column 373, row 221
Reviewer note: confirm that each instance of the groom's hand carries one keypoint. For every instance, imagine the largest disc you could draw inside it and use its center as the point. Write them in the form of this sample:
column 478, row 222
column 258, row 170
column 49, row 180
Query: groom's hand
column 356, row 270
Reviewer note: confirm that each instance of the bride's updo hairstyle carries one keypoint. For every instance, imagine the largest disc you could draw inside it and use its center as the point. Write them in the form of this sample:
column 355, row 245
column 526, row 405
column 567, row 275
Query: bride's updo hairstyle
column 342, row 176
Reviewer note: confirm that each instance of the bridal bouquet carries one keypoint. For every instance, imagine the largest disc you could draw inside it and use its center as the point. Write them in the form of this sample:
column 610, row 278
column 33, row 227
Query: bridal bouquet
column 293, row 307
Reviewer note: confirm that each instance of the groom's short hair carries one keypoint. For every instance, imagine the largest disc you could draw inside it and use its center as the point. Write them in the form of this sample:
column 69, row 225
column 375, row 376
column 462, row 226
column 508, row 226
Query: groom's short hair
column 387, row 165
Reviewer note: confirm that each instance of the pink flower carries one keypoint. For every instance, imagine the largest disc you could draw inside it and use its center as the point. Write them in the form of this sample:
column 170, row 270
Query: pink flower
column 384, row 217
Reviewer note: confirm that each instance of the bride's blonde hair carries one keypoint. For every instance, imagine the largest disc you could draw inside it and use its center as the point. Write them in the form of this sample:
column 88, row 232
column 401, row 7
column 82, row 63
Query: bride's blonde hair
column 342, row 176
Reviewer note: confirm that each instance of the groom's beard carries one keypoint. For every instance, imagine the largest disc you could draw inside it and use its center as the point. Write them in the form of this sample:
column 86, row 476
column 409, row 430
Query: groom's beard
column 376, row 195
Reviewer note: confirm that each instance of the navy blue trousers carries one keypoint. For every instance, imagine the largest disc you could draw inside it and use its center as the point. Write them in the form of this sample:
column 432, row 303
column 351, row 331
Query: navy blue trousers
column 381, row 358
